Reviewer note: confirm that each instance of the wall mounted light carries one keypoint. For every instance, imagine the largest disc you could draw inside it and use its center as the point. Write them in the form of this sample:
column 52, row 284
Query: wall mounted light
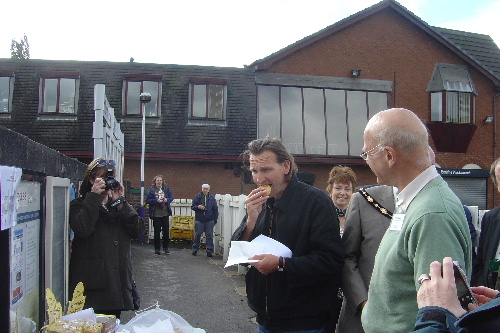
column 488, row 120
column 356, row 72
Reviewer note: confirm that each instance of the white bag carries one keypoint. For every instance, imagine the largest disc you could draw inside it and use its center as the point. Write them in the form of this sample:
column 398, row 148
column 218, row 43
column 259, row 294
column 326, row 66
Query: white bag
column 156, row 321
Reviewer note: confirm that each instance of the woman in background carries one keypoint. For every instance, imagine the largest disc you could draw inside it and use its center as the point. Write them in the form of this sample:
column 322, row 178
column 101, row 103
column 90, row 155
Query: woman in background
column 159, row 198
column 104, row 223
column 341, row 183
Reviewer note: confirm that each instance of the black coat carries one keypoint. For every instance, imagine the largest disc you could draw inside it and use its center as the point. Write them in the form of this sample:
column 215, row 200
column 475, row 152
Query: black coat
column 489, row 239
column 300, row 297
column 100, row 256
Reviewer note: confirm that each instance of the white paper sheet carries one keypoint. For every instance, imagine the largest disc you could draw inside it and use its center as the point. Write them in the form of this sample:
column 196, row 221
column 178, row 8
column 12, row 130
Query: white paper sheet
column 240, row 251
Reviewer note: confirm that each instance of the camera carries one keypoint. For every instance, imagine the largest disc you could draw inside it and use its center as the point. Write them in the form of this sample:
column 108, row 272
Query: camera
column 111, row 182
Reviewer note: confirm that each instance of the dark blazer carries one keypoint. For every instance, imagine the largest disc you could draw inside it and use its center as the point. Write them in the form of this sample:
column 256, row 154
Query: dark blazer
column 489, row 239
column 100, row 256
column 364, row 228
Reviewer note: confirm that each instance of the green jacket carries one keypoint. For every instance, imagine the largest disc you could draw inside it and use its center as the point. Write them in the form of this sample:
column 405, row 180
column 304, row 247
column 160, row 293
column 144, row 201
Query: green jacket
column 434, row 227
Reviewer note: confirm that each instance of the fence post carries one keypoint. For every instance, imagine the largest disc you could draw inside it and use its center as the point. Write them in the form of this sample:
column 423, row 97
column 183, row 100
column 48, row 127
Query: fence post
column 227, row 226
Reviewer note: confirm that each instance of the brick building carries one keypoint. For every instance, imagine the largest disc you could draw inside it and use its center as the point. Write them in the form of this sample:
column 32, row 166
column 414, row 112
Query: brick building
column 385, row 56
column 316, row 94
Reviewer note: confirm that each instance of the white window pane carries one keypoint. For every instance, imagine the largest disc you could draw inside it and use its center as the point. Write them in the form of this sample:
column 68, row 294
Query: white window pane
column 50, row 95
column 464, row 107
column 357, row 117
column 314, row 121
column 269, row 111
column 451, row 107
column 437, row 106
column 4, row 93
column 151, row 87
column 291, row 102
column 336, row 116
column 376, row 102
column 67, row 96
column 133, row 97
column 216, row 101
column 199, row 100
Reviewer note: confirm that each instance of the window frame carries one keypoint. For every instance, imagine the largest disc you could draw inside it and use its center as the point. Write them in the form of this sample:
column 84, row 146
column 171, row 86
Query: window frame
column 59, row 76
column 10, row 92
column 208, row 83
column 142, row 78
column 440, row 106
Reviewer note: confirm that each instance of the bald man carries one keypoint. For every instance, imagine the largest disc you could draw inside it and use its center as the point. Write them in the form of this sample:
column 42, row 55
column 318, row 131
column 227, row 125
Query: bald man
column 428, row 223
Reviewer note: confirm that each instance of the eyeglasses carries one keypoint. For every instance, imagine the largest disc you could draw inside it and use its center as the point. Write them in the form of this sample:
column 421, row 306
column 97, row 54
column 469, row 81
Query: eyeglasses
column 378, row 148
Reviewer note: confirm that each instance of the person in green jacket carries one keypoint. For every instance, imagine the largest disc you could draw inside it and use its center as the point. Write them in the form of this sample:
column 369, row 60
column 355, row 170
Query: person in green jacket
column 428, row 223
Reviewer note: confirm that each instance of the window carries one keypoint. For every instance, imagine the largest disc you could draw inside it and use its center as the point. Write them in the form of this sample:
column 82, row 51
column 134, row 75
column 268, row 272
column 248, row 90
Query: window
column 452, row 95
column 317, row 121
column 6, row 89
column 208, row 99
column 134, row 86
column 59, row 93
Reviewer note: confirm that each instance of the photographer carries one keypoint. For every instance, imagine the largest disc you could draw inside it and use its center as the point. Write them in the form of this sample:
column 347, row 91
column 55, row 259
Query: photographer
column 104, row 224
column 440, row 310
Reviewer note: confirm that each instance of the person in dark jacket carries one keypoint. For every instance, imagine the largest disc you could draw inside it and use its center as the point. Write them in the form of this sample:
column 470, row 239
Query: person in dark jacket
column 103, row 224
column 159, row 198
column 289, row 294
column 206, row 214
column 441, row 312
column 488, row 249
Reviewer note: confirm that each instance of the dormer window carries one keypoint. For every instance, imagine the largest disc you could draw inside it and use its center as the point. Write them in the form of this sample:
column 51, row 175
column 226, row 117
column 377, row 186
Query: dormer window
column 452, row 94
column 133, row 86
column 6, row 87
column 59, row 93
column 207, row 99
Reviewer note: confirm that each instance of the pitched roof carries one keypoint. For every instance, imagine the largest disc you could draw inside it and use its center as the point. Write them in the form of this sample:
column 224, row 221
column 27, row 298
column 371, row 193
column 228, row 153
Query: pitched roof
column 479, row 47
column 478, row 50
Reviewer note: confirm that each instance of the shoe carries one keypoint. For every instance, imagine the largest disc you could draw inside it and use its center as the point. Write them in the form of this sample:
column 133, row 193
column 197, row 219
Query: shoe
column 194, row 253
column 157, row 252
column 209, row 254
column 166, row 251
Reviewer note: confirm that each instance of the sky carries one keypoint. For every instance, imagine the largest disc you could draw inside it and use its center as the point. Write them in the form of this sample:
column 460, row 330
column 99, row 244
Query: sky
column 222, row 33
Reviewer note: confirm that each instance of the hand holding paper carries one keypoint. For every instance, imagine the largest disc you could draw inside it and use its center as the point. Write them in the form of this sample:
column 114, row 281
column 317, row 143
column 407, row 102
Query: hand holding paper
column 240, row 251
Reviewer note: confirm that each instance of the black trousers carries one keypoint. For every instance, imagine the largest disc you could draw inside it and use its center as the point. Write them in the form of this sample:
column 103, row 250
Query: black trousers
column 161, row 224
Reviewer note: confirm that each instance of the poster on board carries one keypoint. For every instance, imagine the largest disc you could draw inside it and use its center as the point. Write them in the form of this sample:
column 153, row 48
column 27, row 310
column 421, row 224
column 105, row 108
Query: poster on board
column 9, row 180
column 25, row 254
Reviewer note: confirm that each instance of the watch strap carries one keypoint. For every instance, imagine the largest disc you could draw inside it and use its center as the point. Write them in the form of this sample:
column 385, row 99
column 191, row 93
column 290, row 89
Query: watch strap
column 118, row 201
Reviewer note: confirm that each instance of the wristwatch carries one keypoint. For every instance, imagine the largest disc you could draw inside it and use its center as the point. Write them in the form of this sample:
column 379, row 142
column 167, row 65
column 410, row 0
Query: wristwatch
column 281, row 264
column 118, row 201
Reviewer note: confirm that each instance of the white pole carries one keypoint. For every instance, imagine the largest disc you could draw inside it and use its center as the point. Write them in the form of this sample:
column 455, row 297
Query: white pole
column 143, row 105
column 144, row 98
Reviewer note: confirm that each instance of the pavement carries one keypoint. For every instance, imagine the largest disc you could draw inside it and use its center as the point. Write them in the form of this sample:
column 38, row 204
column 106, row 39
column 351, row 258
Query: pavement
column 198, row 288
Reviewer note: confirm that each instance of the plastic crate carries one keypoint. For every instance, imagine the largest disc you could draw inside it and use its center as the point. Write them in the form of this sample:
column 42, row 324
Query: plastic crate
column 182, row 222
column 177, row 235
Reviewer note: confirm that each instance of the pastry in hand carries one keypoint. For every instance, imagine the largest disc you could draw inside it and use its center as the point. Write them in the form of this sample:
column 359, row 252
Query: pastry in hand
column 267, row 188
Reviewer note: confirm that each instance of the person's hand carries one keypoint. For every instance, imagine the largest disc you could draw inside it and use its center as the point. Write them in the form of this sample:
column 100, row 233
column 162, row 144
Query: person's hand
column 99, row 186
column 483, row 295
column 253, row 204
column 117, row 193
column 267, row 263
column 201, row 207
column 440, row 290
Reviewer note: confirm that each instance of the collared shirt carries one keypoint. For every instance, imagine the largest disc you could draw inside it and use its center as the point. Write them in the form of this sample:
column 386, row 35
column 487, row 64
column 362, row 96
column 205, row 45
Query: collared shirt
column 406, row 196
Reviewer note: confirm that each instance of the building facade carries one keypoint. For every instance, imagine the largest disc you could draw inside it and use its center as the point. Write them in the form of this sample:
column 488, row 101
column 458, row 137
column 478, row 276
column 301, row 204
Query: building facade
column 316, row 94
